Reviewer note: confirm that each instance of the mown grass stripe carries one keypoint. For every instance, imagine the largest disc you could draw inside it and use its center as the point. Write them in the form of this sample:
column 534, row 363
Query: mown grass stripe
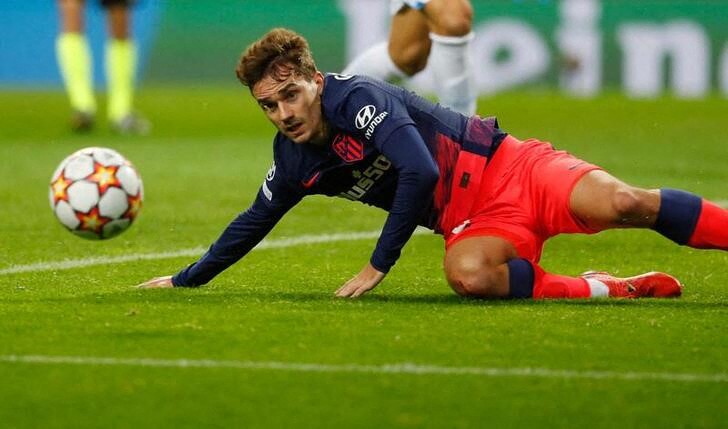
column 196, row 251
column 399, row 368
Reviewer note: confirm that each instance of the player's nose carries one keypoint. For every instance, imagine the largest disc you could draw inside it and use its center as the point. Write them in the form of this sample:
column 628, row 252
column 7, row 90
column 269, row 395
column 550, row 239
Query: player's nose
column 284, row 112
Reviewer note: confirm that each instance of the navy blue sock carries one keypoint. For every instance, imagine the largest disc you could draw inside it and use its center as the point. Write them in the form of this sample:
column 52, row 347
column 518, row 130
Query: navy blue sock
column 679, row 213
column 520, row 278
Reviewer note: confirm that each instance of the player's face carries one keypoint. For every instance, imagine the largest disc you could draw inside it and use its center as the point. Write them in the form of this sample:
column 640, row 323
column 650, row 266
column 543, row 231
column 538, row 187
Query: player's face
column 293, row 105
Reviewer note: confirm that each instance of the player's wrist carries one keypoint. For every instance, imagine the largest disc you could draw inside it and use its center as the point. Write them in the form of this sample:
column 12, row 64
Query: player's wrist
column 382, row 268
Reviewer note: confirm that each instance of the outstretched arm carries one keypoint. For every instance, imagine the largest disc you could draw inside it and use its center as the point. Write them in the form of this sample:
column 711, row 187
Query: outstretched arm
column 418, row 175
column 240, row 236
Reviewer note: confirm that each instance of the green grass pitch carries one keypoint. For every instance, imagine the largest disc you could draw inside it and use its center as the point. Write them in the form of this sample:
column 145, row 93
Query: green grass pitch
column 268, row 345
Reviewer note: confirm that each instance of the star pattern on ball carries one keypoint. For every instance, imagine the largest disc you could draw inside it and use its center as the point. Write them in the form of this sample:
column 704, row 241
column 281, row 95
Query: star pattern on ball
column 92, row 221
column 59, row 188
column 135, row 204
column 104, row 177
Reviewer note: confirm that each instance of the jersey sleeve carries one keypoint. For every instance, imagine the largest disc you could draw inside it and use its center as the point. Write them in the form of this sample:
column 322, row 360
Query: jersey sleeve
column 381, row 118
column 275, row 197
column 417, row 176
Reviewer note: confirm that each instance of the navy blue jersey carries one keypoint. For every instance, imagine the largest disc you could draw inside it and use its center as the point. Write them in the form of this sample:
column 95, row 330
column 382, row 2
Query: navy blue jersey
column 387, row 147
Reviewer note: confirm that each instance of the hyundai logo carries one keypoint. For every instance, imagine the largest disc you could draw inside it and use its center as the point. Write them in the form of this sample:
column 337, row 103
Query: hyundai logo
column 365, row 116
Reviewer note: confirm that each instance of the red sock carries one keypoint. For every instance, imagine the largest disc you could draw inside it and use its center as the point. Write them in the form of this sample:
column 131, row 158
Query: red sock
column 711, row 231
column 547, row 285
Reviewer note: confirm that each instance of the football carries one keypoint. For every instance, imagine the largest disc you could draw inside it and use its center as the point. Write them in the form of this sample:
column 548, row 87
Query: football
column 96, row 193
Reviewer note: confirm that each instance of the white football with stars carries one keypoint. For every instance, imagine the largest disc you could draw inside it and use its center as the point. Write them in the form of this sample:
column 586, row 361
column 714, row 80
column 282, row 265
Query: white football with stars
column 96, row 193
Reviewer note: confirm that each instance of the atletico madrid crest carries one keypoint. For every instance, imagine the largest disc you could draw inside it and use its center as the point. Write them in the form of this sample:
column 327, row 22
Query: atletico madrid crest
column 348, row 148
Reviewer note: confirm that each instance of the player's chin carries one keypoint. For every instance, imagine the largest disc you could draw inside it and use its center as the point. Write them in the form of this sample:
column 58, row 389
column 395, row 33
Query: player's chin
column 300, row 136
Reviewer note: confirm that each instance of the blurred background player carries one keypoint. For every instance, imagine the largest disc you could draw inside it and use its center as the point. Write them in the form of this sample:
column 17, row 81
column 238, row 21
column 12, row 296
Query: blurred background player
column 427, row 32
column 74, row 60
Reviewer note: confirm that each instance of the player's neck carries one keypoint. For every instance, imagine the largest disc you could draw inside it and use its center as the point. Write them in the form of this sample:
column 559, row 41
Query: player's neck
column 322, row 137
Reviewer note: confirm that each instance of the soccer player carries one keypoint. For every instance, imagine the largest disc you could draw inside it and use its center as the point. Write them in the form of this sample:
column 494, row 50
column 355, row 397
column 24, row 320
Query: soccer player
column 74, row 60
column 436, row 29
column 494, row 198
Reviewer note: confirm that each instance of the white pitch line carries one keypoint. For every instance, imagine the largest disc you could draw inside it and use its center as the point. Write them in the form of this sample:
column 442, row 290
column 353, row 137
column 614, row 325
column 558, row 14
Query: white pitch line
column 399, row 368
column 195, row 251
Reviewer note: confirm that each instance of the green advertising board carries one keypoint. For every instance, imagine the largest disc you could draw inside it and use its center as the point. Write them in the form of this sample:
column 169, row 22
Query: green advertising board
column 646, row 47
column 201, row 41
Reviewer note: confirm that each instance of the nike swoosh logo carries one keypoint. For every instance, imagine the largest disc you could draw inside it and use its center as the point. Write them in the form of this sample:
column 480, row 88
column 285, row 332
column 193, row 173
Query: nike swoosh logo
column 308, row 183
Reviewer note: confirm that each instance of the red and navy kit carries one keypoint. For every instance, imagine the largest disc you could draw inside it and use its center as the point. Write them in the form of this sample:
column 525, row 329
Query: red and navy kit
column 388, row 148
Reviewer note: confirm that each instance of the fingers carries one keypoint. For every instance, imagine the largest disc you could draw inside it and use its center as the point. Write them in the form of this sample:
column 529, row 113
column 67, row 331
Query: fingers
column 157, row 282
column 346, row 290
column 366, row 280
column 359, row 292
column 352, row 289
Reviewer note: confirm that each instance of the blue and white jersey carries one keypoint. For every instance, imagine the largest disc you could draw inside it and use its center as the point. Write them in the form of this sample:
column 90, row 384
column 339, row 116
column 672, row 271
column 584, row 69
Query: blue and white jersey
column 396, row 5
column 387, row 147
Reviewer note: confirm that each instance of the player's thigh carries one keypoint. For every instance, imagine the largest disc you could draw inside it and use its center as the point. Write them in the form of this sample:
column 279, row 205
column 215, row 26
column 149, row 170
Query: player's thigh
column 409, row 40
column 449, row 17
column 601, row 201
column 478, row 262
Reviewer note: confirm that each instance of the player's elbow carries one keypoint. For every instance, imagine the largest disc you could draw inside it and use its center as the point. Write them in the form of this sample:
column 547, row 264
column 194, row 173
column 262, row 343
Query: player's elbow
column 421, row 182
column 430, row 175
column 427, row 178
column 424, row 176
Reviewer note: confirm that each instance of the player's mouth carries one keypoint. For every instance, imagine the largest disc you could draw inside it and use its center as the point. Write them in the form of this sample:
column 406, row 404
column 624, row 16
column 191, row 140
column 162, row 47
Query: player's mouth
column 295, row 129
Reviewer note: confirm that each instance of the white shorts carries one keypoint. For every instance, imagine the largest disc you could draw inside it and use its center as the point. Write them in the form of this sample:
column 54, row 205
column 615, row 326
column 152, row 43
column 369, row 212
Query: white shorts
column 397, row 5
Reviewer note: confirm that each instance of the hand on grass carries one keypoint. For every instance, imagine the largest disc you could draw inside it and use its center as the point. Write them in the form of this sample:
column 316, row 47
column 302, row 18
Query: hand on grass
column 366, row 280
column 157, row 282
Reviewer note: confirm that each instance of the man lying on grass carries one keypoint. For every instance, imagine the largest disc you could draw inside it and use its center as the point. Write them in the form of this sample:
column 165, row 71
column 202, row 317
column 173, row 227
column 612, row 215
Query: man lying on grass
column 495, row 199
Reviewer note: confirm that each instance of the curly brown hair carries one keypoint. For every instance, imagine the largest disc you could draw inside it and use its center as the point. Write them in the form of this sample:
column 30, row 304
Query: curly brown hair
column 279, row 53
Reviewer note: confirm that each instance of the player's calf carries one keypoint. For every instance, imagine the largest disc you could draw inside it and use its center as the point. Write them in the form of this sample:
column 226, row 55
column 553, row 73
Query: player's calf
column 528, row 280
column 410, row 59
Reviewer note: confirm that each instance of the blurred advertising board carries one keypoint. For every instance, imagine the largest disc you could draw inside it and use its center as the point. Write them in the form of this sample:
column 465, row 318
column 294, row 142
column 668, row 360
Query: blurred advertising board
column 646, row 48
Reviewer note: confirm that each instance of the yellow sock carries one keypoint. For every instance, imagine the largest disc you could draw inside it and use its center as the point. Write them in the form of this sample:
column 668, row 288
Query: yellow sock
column 120, row 67
column 74, row 60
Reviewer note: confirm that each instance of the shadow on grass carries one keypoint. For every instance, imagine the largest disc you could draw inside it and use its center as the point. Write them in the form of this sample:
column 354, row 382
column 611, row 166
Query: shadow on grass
column 226, row 296
column 473, row 302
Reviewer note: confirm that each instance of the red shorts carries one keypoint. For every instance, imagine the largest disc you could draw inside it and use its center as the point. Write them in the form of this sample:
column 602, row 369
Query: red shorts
column 524, row 197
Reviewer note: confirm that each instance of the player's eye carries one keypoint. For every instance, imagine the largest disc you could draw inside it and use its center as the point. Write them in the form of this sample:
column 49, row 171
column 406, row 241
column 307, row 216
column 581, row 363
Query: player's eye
column 291, row 96
column 268, row 107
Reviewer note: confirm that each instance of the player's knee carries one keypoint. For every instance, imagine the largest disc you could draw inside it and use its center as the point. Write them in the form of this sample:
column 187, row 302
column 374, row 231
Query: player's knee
column 629, row 203
column 453, row 21
column 455, row 26
column 472, row 279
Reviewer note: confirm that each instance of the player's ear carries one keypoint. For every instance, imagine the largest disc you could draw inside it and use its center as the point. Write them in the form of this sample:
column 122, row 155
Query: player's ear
column 318, row 78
